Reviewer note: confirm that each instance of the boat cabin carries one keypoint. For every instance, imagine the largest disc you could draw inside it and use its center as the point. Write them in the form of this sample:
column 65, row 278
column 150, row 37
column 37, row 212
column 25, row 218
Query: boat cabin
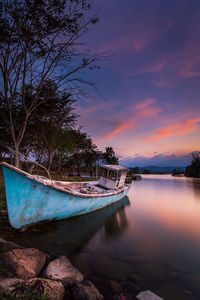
column 112, row 176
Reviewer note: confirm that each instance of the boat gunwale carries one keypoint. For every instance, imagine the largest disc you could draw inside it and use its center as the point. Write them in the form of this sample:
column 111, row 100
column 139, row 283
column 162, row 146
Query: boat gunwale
column 62, row 189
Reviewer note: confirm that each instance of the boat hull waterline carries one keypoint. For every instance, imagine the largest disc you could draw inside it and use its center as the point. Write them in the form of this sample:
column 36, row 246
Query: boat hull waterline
column 30, row 201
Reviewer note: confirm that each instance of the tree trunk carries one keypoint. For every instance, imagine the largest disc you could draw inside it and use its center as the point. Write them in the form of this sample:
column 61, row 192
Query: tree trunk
column 59, row 164
column 17, row 155
column 50, row 161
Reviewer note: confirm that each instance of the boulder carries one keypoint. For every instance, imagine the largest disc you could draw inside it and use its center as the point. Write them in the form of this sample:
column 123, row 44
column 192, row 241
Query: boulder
column 7, row 284
column 8, row 246
column 85, row 290
column 24, row 263
column 115, row 286
column 61, row 269
column 148, row 295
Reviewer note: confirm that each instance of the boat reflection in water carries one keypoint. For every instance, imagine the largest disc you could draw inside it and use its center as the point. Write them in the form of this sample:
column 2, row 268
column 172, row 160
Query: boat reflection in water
column 70, row 236
column 116, row 224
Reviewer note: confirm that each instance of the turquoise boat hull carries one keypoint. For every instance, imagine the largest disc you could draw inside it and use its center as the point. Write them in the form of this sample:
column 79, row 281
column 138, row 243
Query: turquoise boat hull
column 30, row 201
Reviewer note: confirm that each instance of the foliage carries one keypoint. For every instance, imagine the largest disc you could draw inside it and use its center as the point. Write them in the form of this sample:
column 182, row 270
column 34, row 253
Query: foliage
column 84, row 150
column 134, row 170
column 193, row 170
column 27, row 291
column 49, row 123
column 146, row 171
column 109, row 156
column 176, row 172
column 4, row 296
column 40, row 42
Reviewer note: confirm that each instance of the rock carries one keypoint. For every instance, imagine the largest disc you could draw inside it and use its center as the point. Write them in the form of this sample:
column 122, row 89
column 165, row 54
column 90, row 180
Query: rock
column 148, row 295
column 83, row 266
column 112, row 268
column 136, row 277
column 61, row 269
column 8, row 246
column 25, row 263
column 6, row 285
column 153, row 271
column 187, row 292
column 115, row 286
column 85, row 290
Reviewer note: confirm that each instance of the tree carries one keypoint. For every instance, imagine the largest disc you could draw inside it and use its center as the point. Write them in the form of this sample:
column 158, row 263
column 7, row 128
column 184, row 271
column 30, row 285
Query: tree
column 110, row 157
column 50, row 122
column 84, row 150
column 40, row 41
column 64, row 146
column 134, row 170
column 177, row 172
column 193, row 170
column 146, row 171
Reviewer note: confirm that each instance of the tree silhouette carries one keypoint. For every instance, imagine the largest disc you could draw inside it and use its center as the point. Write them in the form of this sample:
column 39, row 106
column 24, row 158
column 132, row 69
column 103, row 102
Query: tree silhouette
column 193, row 170
column 40, row 42
column 109, row 156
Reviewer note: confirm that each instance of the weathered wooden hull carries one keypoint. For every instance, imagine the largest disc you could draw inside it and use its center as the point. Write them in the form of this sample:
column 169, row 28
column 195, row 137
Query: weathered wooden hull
column 29, row 201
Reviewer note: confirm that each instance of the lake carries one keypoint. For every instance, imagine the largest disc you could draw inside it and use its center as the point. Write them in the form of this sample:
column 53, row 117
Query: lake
column 148, row 240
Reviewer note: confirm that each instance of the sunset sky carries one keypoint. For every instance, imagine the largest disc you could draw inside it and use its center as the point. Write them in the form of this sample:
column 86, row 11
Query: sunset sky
column 148, row 105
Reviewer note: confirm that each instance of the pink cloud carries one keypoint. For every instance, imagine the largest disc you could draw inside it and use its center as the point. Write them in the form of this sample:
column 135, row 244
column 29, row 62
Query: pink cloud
column 139, row 112
column 144, row 104
column 180, row 128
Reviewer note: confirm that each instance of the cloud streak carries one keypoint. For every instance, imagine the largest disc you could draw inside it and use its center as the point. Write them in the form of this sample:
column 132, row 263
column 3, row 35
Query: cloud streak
column 139, row 112
column 181, row 128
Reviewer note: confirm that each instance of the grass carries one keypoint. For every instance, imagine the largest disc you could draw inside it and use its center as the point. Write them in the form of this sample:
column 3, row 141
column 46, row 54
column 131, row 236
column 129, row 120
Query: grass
column 31, row 291
column 62, row 177
column 24, row 291
column 73, row 178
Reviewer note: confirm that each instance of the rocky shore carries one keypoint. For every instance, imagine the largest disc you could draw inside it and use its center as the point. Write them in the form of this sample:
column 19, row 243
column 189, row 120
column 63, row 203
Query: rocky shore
column 28, row 273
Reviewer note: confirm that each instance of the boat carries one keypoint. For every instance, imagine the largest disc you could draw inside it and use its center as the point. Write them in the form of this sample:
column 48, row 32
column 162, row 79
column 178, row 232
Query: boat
column 32, row 198
column 71, row 235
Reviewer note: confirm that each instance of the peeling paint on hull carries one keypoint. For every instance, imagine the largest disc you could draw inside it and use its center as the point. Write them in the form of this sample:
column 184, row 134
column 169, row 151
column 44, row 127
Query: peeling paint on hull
column 29, row 201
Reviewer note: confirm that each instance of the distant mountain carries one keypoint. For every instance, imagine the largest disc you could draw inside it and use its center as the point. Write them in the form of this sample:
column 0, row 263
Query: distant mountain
column 158, row 160
column 160, row 169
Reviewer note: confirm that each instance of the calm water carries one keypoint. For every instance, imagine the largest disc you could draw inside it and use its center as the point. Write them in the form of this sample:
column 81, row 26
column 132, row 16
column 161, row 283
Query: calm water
column 149, row 240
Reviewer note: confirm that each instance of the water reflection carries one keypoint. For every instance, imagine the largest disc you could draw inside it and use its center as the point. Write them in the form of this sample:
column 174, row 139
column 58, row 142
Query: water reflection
column 154, row 243
column 195, row 183
column 116, row 224
column 70, row 236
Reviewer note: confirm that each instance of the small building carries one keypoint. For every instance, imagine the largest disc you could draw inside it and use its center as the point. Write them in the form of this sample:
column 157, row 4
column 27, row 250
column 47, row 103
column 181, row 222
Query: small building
column 112, row 176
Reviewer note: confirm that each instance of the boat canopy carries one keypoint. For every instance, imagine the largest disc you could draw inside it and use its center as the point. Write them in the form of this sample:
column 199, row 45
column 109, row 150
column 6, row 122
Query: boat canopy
column 112, row 176
column 114, row 168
